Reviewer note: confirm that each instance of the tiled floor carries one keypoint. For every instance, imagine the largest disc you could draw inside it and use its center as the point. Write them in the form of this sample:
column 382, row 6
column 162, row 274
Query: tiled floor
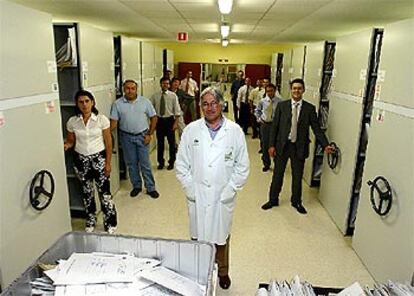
column 278, row 243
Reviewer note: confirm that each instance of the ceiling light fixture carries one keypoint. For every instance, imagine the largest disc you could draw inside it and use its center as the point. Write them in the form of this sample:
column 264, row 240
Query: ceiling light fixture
column 225, row 42
column 225, row 30
column 225, row 6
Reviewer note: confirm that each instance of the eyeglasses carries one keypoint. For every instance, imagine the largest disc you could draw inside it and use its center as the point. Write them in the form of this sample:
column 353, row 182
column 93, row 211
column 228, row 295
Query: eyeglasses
column 213, row 105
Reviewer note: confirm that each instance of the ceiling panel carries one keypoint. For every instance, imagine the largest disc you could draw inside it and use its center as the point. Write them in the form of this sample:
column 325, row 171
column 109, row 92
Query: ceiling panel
column 251, row 20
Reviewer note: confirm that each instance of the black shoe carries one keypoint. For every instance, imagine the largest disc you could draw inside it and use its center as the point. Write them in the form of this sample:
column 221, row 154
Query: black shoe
column 270, row 205
column 300, row 208
column 153, row 194
column 170, row 167
column 160, row 166
column 135, row 192
column 224, row 282
column 265, row 168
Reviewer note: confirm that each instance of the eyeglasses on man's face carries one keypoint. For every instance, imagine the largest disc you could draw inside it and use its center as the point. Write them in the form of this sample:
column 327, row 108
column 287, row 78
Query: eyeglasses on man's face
column 212, row 105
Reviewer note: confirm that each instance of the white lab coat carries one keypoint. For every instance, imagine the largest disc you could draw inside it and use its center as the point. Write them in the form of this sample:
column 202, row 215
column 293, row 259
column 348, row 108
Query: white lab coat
column 211, row 171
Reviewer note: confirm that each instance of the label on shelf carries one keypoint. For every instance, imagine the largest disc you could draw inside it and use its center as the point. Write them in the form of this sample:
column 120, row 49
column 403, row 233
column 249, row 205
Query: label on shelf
column 2, row 120
column 51, row 66
column 381, row 76
column 85, row 66
column 377, row 93
column 363, row 74
column 380, row 116
column 50, row 107
column 55, row 87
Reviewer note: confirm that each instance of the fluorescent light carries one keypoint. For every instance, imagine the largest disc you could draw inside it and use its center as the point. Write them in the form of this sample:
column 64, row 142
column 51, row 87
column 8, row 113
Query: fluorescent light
column 225, row 30
column 224, row 42
column 225, row 6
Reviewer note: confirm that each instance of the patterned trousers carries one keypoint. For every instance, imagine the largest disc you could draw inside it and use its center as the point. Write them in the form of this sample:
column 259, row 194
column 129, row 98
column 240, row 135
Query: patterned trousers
column 91, row 168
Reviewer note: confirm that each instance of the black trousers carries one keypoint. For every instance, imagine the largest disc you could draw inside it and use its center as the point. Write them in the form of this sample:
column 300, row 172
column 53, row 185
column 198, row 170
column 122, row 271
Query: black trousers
column 235, row 109
column 254, row 123
column 164, row 129
column 297, row 165
column 244, row 116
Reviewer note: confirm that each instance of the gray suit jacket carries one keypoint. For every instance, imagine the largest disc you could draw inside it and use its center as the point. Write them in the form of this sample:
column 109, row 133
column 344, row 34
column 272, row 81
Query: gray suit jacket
column 281, row 125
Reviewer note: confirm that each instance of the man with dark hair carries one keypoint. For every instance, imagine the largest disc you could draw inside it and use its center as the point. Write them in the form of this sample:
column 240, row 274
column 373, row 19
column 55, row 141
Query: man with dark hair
column 132, row 114
column 234, row 90
column 243, row 104
column 289, row 139
column 168, row 112
column 190, row 87
column 264, row 113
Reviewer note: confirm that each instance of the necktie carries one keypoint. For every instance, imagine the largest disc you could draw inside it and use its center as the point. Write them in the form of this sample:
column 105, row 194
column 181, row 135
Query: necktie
column 269, row 111
column 246, row 99
column 187, row 86
column 294, row 129
column 162, row 104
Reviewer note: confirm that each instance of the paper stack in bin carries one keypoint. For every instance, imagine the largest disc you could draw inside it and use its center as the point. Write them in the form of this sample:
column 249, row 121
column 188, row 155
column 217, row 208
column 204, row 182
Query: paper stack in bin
column 180, row 261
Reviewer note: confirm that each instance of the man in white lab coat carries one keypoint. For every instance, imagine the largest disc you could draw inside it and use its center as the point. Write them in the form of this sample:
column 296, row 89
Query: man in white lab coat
column 212, row 164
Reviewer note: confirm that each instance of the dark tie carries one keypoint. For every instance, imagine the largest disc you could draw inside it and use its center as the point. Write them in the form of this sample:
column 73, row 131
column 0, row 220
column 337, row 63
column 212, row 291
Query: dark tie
column 162, row 104
column 246, row 100
column 294, row 129
column 187, row 85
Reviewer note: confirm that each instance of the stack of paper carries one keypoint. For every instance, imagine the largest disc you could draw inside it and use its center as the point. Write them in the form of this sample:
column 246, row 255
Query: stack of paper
column 105, row 274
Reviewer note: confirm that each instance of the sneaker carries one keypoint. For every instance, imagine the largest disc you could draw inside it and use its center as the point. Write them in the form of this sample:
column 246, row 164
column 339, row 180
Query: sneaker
column 89, row 229
column 111, row 229
column 153, row 194
column 135, row 192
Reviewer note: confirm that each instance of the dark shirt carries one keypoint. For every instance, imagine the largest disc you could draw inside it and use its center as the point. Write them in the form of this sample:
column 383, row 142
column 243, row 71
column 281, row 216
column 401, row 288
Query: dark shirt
column 235, row 88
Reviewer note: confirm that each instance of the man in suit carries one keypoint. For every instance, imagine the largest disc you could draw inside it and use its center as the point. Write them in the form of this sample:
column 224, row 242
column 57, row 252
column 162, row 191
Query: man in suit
column 289, row 139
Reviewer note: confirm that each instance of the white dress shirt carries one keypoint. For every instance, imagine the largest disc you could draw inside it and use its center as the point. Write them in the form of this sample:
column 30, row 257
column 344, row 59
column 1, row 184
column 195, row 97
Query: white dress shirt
column 89, row 137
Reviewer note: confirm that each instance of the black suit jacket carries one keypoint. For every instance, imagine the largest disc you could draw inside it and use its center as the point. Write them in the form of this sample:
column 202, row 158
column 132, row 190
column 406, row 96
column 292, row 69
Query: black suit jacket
column 281, row 125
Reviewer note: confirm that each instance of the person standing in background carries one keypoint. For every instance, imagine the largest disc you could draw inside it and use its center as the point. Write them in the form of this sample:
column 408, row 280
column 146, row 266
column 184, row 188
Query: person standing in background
column 174, row 87
column 289, row 139
column 189, row 86
column 264, row 114
column 243, row 104
column 234, row 90
column 212, row 165
column 132, row 113
column 90, row 133
column 168, row 111
column 254, row 100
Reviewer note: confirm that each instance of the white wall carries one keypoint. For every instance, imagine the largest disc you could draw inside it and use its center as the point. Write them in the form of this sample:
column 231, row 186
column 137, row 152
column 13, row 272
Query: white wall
column 344, row 123
column 30, row 139
column 97, row 59
column 312, row 77
column 386, row 244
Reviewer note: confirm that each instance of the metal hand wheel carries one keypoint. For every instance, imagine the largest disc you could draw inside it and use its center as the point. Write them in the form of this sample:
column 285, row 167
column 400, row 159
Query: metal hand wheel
column 384, row 204
column 41, row 191
column 333, row 157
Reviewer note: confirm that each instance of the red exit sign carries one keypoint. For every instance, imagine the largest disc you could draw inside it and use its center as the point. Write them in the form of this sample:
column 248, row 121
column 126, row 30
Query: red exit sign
column 182, row 36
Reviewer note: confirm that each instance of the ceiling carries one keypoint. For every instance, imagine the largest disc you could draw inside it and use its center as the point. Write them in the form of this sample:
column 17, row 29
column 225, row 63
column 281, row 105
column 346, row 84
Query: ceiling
column 252, row 21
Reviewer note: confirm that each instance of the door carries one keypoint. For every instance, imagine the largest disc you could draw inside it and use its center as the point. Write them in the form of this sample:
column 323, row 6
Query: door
column 183, row 68
column 254, row 72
